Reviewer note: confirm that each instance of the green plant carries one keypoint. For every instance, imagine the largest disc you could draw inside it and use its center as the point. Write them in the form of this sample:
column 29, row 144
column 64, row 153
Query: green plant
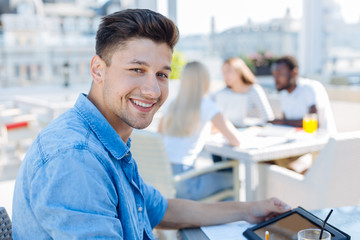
column 177, row 64
column 248, row 62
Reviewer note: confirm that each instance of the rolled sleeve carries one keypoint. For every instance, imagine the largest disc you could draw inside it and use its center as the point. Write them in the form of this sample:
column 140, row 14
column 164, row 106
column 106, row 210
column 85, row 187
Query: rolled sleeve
column 156, row 204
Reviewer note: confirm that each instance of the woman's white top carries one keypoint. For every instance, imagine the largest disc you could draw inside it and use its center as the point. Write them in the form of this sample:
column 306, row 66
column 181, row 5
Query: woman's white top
column 239, row 108
column 184, row 150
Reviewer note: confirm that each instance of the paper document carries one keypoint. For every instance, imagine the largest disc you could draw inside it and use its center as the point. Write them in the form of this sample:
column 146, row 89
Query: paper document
column 252, row 142
column 277, row 131
column 260, row 142
column 228, row 231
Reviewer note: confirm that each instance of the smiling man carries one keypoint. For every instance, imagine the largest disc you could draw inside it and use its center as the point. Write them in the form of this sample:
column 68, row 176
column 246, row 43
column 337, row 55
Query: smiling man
column 79, row 180
column 130, row 88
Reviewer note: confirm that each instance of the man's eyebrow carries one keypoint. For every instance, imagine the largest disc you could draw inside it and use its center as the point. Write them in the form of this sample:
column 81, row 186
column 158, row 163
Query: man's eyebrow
column 139, row 62
column 167, row 68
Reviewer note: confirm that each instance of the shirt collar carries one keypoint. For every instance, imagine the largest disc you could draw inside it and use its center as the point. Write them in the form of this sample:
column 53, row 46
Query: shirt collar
column 101, row 127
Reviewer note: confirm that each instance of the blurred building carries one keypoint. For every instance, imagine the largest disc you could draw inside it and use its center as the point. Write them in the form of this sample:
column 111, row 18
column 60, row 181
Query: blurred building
column 278, row 36
column 44, row 41
column 52, row 41
column 321, row 40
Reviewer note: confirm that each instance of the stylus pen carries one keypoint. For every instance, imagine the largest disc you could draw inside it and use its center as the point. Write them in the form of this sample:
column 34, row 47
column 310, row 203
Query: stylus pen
column 267, row 235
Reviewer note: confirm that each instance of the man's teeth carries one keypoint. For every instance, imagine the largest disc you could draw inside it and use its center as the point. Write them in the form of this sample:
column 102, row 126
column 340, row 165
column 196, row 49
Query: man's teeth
column 141, row 104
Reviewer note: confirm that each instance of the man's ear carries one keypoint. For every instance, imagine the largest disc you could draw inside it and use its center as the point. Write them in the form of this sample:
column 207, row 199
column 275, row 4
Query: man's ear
column 294, row 72
column 97, row 67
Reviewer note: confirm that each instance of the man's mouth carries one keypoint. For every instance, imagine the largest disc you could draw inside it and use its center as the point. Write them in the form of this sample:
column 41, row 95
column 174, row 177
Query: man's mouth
column 142, row 104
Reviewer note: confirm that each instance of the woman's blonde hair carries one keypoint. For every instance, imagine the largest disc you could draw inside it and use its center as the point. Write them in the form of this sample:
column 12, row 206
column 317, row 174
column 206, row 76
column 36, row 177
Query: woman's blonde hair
column 242, row 69
column 183, row 115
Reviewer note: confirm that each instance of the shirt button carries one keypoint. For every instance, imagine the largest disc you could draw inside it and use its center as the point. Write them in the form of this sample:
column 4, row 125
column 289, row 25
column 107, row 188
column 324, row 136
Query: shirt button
column 140, row 209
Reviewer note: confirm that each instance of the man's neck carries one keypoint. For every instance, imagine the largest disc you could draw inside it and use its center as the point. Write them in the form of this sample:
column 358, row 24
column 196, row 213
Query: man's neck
column 125, row 135
column 122, row 128
column 292, row 87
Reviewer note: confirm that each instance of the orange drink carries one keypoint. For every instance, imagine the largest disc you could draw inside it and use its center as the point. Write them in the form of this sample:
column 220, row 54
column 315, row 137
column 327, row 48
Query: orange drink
column 310, row 123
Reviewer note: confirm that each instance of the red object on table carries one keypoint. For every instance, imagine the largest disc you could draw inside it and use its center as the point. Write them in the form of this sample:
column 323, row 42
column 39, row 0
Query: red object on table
column 11, row 126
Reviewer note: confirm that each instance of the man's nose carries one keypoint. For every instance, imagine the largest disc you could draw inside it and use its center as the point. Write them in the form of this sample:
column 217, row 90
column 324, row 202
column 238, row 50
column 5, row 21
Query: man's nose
column 150, row 87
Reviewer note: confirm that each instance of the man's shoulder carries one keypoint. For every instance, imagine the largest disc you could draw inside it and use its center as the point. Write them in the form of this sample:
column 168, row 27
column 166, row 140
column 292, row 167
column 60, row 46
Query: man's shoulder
column 68, row 126
column 307, row 82
column 66, row 137
column 308, row 85
column 66, row 133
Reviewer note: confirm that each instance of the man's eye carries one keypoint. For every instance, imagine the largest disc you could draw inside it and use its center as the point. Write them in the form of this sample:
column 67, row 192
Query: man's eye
column 138, row 70
column 163, row 75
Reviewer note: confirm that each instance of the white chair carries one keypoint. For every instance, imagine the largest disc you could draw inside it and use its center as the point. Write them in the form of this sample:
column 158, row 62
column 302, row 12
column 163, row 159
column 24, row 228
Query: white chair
column 149, row 152
column 6, row 195
column 20, row 132
column 325, row 113
column 330, row 182
column 17, row 131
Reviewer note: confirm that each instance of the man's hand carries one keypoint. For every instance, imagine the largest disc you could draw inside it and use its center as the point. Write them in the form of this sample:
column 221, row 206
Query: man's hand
column 277, row 121
column 183, row 213
column 264, row 210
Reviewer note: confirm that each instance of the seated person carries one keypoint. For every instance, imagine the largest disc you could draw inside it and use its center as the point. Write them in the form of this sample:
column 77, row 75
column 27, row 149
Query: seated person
column 299, row 96
column 79, row 179
column 242, row 99
column 186, row 124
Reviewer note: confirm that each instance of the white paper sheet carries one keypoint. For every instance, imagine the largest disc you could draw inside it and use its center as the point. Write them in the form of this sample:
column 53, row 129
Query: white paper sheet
column 252, row 142
column 260, row 142
column 277, row 131
column 228, row 231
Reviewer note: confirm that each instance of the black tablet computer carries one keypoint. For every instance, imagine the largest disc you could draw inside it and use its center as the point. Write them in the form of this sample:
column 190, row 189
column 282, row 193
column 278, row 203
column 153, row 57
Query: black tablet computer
column 287, row 225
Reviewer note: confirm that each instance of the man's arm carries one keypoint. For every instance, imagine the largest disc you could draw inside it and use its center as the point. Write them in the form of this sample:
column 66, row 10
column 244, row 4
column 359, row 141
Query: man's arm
column 182, row 213
column 288, row 122
column 293, row 122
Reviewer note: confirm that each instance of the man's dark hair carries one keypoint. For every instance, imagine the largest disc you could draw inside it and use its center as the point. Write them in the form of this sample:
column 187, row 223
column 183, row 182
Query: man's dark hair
column 117, row 28
column 290, row 61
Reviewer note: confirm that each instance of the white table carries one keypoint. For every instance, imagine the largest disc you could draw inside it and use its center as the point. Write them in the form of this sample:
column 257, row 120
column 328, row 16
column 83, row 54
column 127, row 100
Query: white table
column 300, row 143
column 345, row 218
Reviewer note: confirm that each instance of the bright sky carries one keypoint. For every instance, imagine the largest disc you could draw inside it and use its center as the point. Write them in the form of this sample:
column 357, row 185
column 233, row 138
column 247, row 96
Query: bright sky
column 194, row 15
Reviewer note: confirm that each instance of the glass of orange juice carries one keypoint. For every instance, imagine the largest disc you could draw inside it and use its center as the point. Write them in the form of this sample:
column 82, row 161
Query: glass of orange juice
column 310, row 122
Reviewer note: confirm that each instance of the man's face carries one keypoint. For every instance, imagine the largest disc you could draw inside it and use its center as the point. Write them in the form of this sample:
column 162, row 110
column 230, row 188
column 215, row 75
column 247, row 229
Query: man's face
column 282, row 76
column 135, row 84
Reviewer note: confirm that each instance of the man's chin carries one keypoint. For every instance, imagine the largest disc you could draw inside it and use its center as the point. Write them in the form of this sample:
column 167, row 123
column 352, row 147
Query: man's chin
column 279, row 89
column 139, row 121
column 140, row 125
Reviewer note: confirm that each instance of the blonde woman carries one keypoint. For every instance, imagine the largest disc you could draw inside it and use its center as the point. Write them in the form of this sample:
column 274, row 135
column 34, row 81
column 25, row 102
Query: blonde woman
column 243, row 101
column 186, row 124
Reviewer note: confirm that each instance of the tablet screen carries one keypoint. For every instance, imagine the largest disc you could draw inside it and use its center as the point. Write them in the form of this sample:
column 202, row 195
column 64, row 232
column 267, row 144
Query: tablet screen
column 286, row 228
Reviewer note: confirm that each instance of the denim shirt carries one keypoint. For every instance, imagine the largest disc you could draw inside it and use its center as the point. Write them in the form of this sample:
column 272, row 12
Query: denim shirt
column 79, row 181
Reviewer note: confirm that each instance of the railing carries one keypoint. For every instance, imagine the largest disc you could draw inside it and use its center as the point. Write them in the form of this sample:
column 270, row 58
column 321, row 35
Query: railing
column 343, row 66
